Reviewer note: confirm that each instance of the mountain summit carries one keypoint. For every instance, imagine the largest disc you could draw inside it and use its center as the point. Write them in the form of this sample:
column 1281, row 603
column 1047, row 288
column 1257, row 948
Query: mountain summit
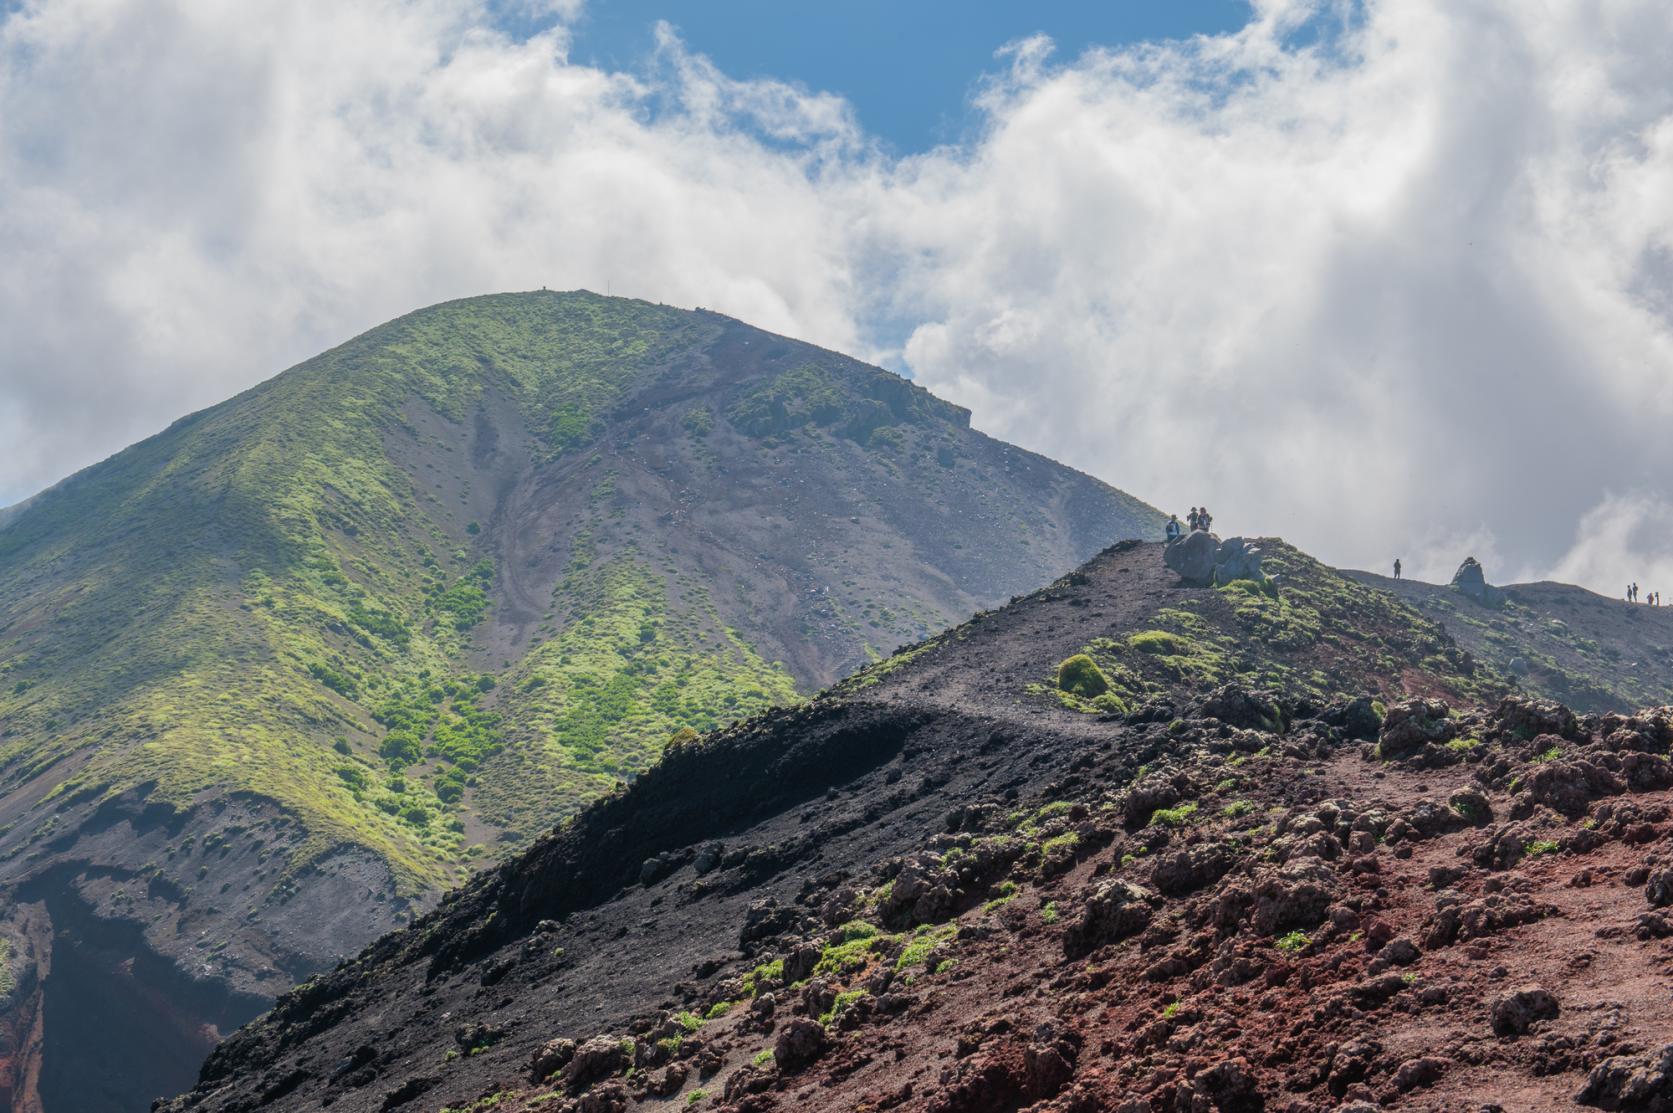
column 274, row 678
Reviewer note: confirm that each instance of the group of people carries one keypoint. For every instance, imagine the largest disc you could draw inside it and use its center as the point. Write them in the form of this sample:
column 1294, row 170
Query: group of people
column 1198, row 518
column 1653, row 599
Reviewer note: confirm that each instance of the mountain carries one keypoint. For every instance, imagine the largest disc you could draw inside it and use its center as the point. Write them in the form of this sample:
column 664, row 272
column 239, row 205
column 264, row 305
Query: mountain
column 275, row 678
column 1560, row 641
column 1122, row 844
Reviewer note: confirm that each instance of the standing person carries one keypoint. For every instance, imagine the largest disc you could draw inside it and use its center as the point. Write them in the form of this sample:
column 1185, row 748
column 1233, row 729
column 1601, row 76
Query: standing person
column 1206, row 519
column 1173, row 528
column 1193, row 519
column 1397, row 568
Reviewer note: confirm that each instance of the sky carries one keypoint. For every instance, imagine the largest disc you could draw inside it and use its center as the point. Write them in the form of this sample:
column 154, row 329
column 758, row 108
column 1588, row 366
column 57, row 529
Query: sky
column 907, row 70
column 1384, row 278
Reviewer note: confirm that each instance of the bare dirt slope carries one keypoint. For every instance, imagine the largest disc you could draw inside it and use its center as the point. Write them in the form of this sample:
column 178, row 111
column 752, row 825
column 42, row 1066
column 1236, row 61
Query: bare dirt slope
column 948, row 886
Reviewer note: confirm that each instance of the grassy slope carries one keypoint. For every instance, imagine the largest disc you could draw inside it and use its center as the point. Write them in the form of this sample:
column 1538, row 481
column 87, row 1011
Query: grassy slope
column 1316, row 635
column 1590, row 652
column 234, row 602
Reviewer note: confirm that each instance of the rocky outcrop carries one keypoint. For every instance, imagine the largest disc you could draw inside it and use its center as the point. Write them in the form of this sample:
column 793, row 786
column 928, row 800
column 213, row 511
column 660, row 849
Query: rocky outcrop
column 1201, row 559
column 1238, row 559
column 1471, row 581
column 1638, row 1082
column 1116, row 910
column 1515, row 1013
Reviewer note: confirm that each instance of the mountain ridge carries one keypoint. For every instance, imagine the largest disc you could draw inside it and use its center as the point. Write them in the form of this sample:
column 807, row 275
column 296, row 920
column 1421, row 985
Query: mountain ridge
column 958, row 883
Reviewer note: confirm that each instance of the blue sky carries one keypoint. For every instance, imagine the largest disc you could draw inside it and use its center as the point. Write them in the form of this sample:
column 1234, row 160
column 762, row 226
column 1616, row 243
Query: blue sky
column 907, row 67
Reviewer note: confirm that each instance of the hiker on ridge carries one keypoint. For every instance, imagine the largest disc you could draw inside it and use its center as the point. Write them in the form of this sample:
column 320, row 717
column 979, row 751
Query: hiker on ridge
column 1194, row 520
column 1173, row 528
column 1204, row 519
column 1397, row 568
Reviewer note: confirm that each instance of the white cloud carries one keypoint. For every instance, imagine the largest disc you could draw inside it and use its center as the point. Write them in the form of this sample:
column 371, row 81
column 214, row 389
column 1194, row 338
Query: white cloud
column 1624, row 539
column 1403, row 291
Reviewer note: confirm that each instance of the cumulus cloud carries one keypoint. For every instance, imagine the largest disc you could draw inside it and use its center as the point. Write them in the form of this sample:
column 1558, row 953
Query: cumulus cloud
column 1386, row 278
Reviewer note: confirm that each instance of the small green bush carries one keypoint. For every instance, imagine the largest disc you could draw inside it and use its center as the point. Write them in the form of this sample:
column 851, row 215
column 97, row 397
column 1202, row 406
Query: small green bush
column 1080, row 675
column 1292, row 942
column 1174, row 817
column 1159, row 643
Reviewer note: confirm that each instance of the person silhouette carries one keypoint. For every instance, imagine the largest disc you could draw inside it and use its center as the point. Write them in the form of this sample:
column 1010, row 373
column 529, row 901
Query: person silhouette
column 1397, row 568
column 1173, row 528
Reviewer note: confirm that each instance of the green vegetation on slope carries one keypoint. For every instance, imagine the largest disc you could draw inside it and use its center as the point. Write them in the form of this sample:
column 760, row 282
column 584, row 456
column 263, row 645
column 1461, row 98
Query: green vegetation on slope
column 1311, row 633
column 213, row 609
column 598, row 702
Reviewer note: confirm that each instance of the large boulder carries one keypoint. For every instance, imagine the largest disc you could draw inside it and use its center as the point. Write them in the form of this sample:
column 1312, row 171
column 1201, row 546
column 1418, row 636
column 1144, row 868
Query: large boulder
column 1192, row 556
column 1514, row 1013
column 1570, row 786
column 1471, row 581
column 799, row 1044
column 1297, row 895
column 1238, row 559
column 1115, row 910
column 598, row 1058
column 1413, row 724
column 1236, row 706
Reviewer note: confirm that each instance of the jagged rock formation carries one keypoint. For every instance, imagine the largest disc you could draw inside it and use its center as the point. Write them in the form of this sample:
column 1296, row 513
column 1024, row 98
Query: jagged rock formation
column 274, row 679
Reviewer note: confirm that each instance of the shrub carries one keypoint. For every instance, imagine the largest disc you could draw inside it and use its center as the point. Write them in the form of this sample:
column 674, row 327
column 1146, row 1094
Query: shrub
column 1292, row 942
column 400, row 748
column 1174, row 817
column 339, row 682
column 1080, row 675
column 1158, row 643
